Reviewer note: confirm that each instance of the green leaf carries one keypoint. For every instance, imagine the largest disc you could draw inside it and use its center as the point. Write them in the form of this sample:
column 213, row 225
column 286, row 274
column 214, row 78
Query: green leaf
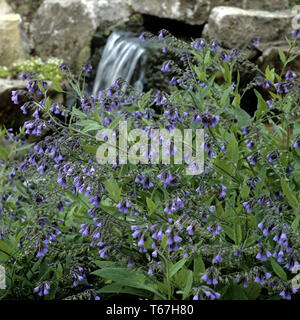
column 79, row 113
column 118, row 288
column 237, row 233
column 253, row 291
column 176, row 267
column 113, row 189
column 262, row 106
column 237, row 100
column 290, row 59
column 243, row 118
column 245, row 192
column 56, row 86
column 5, row 251
column 270, row 74
column 90, row 149
column 233, row 149
column 207, row 58
column 188, row 286
column 75, row 88
column 105, row 264
column 150, row 204
column 25, row 147
column 3, row 153
column 282, row 56
column 131, row 278
column 59, row 271
column 295, row 223
column 199, row 266
column 229, row 232
column 197, row 56
column 227, row 73
column 289, row 194
column 278, row 270
column 42, row 89
column 235, row 292
column 250, row 241
column 115, row 122
column 89, row 125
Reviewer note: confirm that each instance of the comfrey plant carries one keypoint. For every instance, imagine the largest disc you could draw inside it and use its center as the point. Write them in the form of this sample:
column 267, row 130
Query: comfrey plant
column 230, row 231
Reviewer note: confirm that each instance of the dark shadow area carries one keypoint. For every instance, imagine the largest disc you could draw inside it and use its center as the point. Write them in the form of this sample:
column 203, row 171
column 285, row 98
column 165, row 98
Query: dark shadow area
column 177, row 28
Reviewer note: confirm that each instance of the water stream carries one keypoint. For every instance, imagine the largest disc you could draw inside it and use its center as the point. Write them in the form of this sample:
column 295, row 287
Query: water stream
column 123, row 57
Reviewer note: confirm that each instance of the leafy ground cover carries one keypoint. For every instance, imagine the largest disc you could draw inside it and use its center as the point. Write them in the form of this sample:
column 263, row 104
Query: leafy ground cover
column 73, row 228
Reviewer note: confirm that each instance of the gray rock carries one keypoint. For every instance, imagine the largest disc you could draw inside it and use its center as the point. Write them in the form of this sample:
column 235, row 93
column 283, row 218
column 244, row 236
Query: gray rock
column 196, row 12
column 235, row 27
column 64, row 28
column 13, row 42
column 270, row 56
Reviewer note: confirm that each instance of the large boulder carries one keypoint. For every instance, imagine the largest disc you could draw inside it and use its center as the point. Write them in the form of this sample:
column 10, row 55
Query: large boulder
column 196, row 12
column 64, row 29
column 234, row 27
column 13, row 42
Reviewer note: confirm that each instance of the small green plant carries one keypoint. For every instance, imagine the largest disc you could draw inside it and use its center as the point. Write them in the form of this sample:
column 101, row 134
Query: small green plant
column 4, row 72
column 47, row 70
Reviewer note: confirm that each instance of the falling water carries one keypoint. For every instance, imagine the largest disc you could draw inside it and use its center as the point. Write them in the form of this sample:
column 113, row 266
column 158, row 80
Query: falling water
column 123, row 57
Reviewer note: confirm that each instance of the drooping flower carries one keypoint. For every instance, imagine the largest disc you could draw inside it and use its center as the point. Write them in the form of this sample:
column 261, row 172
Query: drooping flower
column 297, row 143
column 124, row 206
column 87, row 68
column 290, row 75
column 254, row 158
column 15, row 97
column 145, row 181
column 63, row 67
column 273, row 156
column 190, row 229
column 142, row 37
column 222, row 191
column 248, row 206
column 42, row 289
column 263, row 255
column 198, row 44
column 209, row 120
column 209, row 279
column 217, row 258
column 160, row 98
column 167, row 66
column 286, row 294
column 162, row 34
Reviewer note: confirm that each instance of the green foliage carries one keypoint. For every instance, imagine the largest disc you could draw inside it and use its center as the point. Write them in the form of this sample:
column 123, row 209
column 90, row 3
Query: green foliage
column 4, row 72
column 152, row 231
column 47, row 70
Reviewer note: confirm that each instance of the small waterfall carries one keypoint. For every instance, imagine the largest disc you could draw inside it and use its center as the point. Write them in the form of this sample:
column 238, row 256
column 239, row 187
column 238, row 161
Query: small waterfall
column 123, row 57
